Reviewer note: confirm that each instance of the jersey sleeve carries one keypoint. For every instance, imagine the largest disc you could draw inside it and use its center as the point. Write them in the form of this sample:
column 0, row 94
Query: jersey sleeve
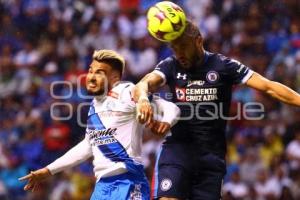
column 126, row 95
column 79, row 153
column 164, row 69
column 237, row 72
column 169, row 111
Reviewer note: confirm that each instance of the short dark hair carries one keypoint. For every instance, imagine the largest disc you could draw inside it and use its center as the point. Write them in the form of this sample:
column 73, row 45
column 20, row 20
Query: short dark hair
column 192, row 30
column 115, row 60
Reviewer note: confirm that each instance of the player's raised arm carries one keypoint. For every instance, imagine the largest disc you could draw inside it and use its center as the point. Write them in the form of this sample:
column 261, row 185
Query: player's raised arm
column 274, row 89
column 149, row 83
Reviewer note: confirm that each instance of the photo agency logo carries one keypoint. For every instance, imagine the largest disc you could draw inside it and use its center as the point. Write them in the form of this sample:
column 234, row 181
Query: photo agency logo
column 70, row 99
column 207, row 110
column 64, row 108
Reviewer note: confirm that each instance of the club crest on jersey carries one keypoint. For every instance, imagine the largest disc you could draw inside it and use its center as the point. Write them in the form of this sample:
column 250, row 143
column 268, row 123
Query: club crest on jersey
column 166, row 184
column 110, row 105
column 180, row 94
column 212, row 76
column 181, row 76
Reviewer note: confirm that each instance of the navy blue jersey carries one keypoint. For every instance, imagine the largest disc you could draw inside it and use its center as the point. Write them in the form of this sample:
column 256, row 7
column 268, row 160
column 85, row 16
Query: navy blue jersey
column 203, row 95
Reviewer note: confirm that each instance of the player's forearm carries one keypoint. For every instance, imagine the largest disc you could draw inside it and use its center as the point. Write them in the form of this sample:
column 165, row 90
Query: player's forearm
column 79, row 153
column 150, row 83
column 283, row 93
column 140, row 91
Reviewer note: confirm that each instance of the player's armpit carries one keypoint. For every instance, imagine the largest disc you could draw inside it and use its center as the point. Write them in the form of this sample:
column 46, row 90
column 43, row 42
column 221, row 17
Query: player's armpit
column 274, row 89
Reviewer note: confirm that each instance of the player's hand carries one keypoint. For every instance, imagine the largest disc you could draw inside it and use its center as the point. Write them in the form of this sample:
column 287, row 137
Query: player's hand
column 144, row 111
column 34, row 178
column 159, row 128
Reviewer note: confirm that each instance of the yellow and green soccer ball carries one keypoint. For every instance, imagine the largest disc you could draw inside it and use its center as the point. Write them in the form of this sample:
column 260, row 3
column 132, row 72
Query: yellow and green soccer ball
column 166, row 21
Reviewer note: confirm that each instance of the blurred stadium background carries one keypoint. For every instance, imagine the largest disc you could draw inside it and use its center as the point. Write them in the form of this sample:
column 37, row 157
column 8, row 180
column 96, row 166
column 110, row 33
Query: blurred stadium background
column 42, row 41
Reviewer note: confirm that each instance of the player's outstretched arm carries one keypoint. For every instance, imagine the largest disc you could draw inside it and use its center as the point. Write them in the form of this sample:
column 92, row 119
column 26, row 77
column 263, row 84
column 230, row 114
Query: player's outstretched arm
column 74, row 156
column 79, row 153
column 274, row 89
column 150, row 83
column 35, row 178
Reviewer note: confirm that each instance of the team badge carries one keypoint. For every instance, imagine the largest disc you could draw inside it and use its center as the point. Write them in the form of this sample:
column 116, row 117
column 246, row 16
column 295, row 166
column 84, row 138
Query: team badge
column 110, row 105
column 166, row 184
column 180, row 94
column 212, row 76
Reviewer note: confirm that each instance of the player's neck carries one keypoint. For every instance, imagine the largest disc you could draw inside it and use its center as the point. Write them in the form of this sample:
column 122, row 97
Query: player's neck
column 200, row 58
column 114, row 84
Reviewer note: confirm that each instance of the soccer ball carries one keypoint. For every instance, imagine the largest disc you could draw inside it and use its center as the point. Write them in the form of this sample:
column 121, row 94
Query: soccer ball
column 166, row 21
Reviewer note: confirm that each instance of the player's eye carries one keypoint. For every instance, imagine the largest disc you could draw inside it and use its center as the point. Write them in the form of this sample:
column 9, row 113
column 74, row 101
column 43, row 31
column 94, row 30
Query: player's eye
column 99, row 71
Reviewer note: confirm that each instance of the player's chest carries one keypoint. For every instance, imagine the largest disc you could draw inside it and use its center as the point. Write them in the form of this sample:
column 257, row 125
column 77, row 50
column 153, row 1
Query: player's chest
column 111, row 113
column 200, row 78
column 204, row 86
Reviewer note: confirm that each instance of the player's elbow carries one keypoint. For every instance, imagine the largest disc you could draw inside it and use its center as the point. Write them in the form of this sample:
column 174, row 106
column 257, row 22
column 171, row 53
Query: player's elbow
column 270, row 87
column 267, row 86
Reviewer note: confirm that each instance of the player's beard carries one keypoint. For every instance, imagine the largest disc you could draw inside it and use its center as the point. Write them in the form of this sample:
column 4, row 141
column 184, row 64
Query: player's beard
column 96, row 93
column 194, row 63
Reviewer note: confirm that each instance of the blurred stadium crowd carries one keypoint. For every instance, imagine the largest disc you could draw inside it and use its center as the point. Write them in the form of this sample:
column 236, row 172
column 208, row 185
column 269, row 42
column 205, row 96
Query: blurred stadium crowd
column 47, row 41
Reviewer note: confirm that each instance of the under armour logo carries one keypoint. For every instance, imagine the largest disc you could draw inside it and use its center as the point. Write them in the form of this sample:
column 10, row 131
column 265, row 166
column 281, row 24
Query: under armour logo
column 183, row 76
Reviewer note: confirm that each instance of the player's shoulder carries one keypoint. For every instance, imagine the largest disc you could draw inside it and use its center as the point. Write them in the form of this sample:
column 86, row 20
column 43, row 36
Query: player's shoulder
column 228, row 60
column 123, row 85
column 221, row 61
column 123, row 91
column 216, row 57
column 168, row 61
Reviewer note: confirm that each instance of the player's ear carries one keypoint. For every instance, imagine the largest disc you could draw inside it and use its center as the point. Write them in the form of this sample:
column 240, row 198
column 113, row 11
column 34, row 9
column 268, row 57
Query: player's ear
column 199, row 45
column 199, row 42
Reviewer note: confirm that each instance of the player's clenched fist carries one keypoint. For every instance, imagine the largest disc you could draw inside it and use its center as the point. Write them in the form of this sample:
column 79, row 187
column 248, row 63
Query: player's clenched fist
column 144, row 110
column 34, row 178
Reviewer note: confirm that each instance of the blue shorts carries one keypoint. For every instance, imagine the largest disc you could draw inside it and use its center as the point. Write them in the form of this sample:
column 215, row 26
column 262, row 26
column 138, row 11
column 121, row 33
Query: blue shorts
column 122, row 187
column 182, row 172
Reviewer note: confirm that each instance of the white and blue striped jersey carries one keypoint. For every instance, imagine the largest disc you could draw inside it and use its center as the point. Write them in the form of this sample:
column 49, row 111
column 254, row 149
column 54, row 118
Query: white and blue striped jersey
column 113, row 132
column 113, row 135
